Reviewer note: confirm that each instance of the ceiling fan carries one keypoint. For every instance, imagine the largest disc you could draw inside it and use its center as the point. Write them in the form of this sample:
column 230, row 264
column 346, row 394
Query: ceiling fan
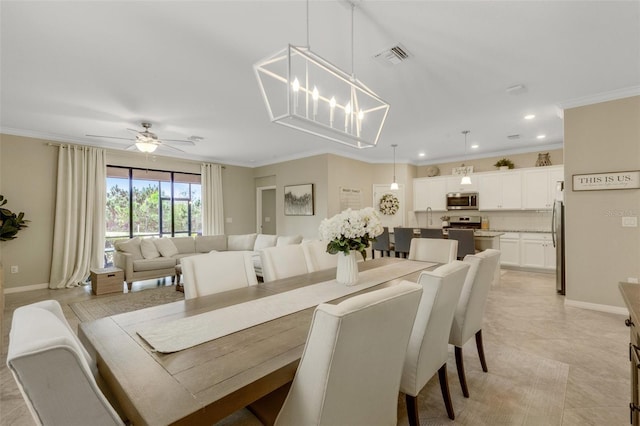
column 147, row 141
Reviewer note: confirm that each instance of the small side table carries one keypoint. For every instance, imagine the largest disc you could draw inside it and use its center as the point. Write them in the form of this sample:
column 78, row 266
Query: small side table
column 179, row 286
column 107, row 280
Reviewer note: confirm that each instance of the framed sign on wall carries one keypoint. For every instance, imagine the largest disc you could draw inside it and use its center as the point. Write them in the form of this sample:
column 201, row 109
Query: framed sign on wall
column 606, row 181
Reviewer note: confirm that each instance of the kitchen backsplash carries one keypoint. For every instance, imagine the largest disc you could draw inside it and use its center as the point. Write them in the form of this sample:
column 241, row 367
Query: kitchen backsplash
column 522, row 221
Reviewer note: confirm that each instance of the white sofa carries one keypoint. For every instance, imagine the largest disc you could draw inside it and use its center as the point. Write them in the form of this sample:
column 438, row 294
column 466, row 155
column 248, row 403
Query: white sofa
column 148, row 258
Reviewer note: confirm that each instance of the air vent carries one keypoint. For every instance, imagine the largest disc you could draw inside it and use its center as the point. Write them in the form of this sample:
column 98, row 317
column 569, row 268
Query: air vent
column 513, row 137
column 393, row 55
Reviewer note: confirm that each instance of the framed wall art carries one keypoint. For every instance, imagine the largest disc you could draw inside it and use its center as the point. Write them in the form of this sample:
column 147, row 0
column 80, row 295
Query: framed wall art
column 298, row 200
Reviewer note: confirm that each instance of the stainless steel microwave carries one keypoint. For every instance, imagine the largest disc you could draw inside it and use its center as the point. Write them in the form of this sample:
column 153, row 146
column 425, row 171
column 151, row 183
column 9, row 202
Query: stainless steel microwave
column 462, row 201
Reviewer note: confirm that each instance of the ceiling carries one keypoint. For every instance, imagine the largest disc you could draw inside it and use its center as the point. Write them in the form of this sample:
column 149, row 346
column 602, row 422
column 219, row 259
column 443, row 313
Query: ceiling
column 74, row 68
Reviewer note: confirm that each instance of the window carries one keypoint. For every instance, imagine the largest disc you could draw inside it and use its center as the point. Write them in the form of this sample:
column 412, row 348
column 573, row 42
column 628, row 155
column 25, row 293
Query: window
column 150, row 203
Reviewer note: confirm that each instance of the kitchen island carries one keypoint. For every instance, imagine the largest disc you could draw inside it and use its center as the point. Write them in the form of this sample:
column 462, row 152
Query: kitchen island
column 487, row 239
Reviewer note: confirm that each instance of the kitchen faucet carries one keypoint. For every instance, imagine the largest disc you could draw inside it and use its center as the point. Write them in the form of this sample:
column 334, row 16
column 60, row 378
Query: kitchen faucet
column 429, row 216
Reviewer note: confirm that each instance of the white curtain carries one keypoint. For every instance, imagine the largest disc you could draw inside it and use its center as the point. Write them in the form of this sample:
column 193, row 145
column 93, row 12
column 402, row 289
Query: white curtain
column 79, row 227
column 212, row 211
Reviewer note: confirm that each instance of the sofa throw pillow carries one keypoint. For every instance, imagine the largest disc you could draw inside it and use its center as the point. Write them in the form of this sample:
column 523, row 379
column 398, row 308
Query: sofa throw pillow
column 264, row 241
column 288, row 240
column 132, row 247
column 241, row 242
column 148, row 248
column 166, row 247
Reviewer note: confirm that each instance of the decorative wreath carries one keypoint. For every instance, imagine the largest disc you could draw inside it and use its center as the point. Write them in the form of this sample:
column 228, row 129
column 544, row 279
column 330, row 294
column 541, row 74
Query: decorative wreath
column 389, row 204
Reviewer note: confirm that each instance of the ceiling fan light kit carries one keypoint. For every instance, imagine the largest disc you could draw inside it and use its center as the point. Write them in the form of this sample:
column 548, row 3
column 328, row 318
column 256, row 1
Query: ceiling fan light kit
column 303, row 91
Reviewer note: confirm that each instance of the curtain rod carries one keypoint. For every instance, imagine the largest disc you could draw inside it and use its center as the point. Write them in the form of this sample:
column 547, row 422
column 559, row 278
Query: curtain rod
column 67, row 145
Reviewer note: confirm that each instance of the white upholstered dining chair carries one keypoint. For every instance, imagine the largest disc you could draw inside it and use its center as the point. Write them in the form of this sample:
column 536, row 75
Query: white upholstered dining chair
column 54, row 372
column 428, row 346
column 217, row 271
column 433, row 250
column 467, row 321
column 349, row 373
column 316, row 256
column 283, row 262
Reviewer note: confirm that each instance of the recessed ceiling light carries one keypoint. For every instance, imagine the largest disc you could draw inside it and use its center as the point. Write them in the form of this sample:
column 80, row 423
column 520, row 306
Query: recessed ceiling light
column 474, row 146
column 541, row 136
column 529, row 117
column 421, row 154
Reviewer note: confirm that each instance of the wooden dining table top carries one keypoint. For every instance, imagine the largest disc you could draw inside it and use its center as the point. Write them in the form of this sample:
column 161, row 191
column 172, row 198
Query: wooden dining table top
column 206, row 383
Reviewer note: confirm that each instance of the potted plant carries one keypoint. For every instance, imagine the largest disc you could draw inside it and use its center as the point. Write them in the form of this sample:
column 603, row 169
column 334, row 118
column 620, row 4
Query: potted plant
column 10, row 223
column 504, row 164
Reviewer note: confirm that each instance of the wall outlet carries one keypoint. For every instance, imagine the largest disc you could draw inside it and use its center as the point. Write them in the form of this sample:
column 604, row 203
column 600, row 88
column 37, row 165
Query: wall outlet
column 630, row 221
column 14, row 269
column 632, row 280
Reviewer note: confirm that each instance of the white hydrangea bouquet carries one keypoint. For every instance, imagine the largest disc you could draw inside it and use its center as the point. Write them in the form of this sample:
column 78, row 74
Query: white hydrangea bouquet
column 351, row 230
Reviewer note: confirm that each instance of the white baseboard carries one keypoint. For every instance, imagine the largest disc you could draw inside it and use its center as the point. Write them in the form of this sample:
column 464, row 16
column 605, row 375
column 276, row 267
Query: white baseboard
column 25, row 288
column 620, row 310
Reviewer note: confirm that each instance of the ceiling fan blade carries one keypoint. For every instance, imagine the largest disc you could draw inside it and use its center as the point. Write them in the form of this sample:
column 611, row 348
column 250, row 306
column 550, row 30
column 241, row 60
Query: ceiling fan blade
column 134, row 130
column 109, row 137
column 169, row 146
column 131, row 147
column 179, row 142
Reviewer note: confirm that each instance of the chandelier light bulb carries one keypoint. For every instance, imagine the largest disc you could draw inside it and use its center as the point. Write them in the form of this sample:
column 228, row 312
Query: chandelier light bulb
column 315, row 95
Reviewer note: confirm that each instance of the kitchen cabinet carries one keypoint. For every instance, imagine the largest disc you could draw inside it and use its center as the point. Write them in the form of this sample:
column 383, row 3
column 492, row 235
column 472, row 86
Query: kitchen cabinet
column 430, row 192
column 500, row 191
column 537, row 251
column 539, row 186
column 510, row 249
column 453, row 184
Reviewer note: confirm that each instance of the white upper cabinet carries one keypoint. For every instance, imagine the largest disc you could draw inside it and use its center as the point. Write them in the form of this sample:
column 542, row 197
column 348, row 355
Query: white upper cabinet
column 453, row 184
column 500, row 190
column 539, row 186
column 430, row 192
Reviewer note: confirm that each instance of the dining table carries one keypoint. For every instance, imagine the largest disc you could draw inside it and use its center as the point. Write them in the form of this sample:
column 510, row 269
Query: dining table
column 206, row 382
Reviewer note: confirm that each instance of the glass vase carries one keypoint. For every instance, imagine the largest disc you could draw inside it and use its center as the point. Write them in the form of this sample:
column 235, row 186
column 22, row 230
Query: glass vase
column 347, row 271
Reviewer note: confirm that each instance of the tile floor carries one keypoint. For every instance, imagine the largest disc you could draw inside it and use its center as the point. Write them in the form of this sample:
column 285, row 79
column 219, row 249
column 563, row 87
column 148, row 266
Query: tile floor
column 548, row 364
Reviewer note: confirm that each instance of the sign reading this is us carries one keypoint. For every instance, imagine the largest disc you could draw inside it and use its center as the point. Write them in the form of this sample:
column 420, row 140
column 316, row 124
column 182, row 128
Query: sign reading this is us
column 603, row 181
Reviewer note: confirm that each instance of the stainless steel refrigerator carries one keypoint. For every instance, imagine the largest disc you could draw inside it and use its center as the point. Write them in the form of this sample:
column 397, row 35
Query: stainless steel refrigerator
column 557, row 234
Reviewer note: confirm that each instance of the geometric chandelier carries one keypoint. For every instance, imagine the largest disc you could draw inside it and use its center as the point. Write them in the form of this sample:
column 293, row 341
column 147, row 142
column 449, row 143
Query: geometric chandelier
column 303, row 91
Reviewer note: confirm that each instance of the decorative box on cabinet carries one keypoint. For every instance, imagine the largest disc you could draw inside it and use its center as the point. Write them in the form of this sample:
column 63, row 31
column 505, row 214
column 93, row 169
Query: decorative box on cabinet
column 107, row 280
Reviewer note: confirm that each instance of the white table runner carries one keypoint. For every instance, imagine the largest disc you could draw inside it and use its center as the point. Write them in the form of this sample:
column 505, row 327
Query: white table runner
column 191, row 331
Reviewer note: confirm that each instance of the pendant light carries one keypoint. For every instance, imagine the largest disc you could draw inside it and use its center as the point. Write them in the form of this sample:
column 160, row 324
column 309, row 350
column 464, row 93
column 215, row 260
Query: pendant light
column 394, row 184
column 466, row 179
column 305, row 92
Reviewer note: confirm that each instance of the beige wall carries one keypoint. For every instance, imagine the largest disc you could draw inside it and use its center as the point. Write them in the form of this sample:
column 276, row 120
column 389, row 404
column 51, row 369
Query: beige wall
column 487, row 164
column 28, row 169
column 307, row 170
column 604, row 137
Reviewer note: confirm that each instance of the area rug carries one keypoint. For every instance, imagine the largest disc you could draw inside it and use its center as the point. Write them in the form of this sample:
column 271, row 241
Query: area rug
column 105, row 306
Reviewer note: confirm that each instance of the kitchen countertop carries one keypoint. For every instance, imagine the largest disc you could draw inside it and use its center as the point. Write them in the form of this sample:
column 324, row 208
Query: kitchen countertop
column 529, row 231
column 488, row 234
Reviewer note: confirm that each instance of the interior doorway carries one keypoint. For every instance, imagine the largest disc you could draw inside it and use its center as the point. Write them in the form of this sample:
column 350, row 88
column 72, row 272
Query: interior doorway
column 266, row 210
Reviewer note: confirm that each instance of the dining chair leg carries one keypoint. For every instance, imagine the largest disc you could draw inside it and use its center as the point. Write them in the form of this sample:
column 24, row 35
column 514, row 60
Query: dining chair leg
column 412, row 410
column 461, row 375
column 444, row 387
column 480, row 347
